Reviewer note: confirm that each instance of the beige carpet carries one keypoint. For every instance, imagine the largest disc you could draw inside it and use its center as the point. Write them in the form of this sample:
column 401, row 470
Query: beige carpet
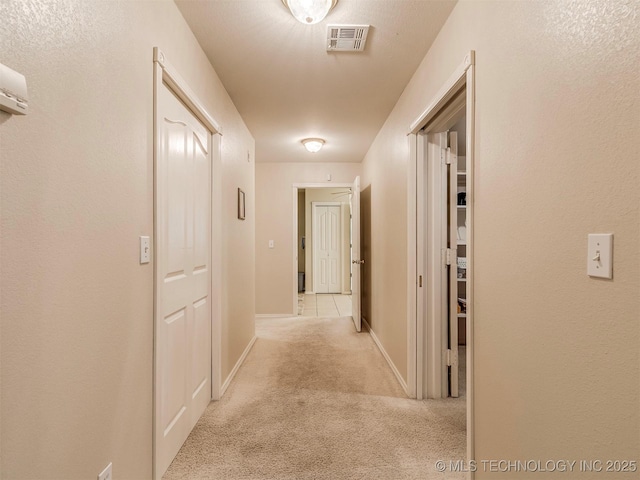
column 316, row 400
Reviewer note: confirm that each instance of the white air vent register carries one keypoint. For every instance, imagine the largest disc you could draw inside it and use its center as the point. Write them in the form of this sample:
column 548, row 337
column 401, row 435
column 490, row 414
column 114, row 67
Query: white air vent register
column 346, row 38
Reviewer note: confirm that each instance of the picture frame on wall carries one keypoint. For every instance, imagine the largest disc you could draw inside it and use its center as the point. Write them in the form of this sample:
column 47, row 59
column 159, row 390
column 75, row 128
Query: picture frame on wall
column 241, row 204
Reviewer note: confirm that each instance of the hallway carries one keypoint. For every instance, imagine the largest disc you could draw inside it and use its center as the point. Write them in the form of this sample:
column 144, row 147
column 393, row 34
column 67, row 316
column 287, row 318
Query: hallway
column 316, row 400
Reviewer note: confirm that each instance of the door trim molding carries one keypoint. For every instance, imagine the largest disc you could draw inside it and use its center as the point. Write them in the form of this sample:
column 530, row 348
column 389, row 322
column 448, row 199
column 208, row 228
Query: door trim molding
column 463, row 78
column 164, row 72
column 180, row 87
column 449, row 90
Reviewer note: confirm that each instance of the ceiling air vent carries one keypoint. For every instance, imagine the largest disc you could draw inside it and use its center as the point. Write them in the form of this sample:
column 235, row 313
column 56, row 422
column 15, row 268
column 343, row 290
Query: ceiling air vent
column 346, row 38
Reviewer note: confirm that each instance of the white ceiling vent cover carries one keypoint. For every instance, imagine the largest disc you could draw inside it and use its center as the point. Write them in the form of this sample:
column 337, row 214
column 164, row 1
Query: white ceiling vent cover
column 346, row 38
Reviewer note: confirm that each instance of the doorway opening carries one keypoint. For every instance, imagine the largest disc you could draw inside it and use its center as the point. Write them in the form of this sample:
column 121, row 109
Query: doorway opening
column 441, row 245
column 327, row 250
column 324, row 252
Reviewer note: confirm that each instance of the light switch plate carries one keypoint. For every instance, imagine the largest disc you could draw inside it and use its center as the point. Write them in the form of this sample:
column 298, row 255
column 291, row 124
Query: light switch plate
column 600, row 255
column 145, row 250
column 271, row 244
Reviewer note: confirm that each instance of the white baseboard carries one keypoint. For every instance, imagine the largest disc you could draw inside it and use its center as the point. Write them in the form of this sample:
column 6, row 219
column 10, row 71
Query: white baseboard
column 386, row 356
column 273, row 315
column 237, row 366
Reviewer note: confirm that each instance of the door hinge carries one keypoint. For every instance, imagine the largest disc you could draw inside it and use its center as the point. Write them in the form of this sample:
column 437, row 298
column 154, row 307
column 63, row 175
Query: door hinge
column 449, row 358
column 448, row 156
column 449, row 256
column 420, row 280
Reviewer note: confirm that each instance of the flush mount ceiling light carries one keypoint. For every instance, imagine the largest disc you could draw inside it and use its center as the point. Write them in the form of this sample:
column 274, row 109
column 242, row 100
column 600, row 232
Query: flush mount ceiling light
column 309, row 11
column 313, row 145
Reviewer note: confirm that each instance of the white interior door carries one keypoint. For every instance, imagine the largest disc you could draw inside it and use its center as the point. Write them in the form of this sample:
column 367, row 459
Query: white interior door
column 326, row 245
column 356, row 260
column 183, row 276
column 439, row 302
column 452, row 161
column 433, row 298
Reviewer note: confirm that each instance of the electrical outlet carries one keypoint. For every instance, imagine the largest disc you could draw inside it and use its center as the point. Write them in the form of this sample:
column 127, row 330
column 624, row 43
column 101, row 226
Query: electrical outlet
column 106, row 473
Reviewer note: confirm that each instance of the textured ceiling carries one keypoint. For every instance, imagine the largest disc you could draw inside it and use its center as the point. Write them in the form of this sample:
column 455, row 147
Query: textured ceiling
column 288, row 87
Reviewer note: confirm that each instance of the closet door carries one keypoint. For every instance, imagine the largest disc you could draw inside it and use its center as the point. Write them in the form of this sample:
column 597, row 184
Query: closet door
column 327, row 251
column 183, row 276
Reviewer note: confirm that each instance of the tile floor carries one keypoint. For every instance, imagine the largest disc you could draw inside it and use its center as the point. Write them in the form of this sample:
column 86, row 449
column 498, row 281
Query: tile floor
column 324, row 305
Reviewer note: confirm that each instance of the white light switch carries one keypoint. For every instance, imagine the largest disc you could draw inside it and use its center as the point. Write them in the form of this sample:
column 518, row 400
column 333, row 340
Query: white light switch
column 600, row 255
column 271, row 244
column 145, row 250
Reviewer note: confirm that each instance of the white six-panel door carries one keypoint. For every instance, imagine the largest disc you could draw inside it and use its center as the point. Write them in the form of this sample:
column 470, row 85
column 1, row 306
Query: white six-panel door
column 326, row 249
column 183, row 275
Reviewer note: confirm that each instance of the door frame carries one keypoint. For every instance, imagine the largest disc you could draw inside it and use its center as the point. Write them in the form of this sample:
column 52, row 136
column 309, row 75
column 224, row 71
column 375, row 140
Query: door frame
column 295, row 188
column 314, row 206
column 163, row 71
column 438, row 112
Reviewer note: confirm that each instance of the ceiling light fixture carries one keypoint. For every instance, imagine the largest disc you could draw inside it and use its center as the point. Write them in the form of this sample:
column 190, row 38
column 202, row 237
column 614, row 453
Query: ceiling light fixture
column 309, row 11
column 313, row 145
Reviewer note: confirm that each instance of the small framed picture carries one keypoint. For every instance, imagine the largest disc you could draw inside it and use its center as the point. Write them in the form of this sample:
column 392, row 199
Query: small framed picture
column 241, row 204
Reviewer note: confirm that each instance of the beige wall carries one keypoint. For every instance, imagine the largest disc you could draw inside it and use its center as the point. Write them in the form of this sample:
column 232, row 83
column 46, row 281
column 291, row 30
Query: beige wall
column 274, row 221
column 558, row 121
column 77, row 191
column 384, row 239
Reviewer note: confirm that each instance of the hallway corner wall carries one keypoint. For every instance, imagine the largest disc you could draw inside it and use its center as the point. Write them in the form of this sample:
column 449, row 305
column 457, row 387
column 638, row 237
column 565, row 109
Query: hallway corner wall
column 76, row 193
column 384, row 241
